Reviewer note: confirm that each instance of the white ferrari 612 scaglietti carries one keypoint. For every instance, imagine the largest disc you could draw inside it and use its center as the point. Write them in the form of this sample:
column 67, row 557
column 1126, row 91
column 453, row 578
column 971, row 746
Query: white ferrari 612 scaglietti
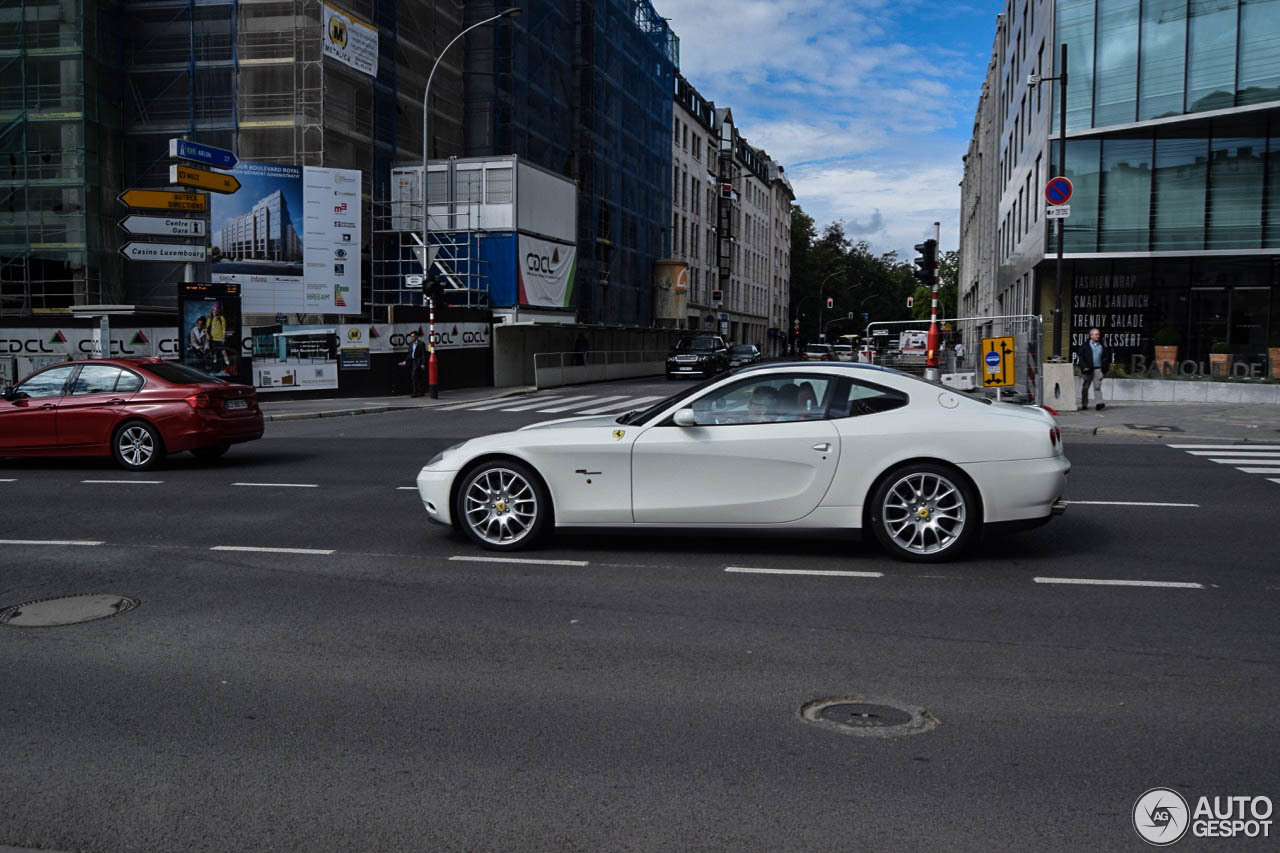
column 822, row 446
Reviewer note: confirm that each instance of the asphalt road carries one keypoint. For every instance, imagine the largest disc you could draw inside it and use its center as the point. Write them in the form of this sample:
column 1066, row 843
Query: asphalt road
column 388, row 691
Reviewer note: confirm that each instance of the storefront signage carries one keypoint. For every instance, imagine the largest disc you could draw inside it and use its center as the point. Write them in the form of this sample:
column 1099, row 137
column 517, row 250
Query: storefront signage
column 1116, row 305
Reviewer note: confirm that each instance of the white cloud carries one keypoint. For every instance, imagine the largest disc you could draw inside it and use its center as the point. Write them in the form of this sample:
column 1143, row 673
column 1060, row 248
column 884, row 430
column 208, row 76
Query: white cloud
column 869, row 125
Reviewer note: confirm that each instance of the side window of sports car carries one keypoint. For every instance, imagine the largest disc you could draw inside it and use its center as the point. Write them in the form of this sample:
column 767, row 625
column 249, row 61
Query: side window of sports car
column 852, row 399
column 765, row 400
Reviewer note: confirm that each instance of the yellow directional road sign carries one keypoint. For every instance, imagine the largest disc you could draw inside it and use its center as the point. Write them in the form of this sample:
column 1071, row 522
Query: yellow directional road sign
column 165, row 200
column 205, row 179
column 997, row 362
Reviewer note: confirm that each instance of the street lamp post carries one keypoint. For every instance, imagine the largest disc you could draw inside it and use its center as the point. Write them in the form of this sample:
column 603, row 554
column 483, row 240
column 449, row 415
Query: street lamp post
column 511, row 12
column 1061, row 79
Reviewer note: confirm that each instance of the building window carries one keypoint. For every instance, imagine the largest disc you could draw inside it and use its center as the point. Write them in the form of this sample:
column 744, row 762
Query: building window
column 1116, row 77
column 1075, row 27
column 1259, row 53
column 1178, row 191
column 1211, row 55
column 1125, row 195
column 1163, row 59
column 1235, row 184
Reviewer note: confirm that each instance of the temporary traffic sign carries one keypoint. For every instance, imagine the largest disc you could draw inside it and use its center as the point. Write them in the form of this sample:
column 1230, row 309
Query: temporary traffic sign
column 179, row 253
column 1058, row 191
column 165, row 200
column 168, row 226
column 198, row 153
column 205, row 179
column 997, row 362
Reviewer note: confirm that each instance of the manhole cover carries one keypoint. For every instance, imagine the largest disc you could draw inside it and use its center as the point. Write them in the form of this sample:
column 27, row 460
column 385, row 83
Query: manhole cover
column 67, row 610
column 862, row 715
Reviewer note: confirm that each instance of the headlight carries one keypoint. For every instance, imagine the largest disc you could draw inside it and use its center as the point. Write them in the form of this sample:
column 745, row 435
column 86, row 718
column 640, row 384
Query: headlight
column 443, row 453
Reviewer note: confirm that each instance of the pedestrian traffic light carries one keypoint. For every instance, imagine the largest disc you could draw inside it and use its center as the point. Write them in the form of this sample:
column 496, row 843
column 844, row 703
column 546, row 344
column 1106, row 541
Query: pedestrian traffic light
column 831, row 303
column 911, row 300
column 927, row 263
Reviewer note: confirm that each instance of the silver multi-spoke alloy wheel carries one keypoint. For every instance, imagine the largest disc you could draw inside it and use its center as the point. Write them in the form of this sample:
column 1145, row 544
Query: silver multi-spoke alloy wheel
column 500, row 506
column 137, row 446
column 924, row 513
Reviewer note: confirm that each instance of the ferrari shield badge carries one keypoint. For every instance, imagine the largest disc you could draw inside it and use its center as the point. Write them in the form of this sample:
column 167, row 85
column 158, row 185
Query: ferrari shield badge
column 618, row 434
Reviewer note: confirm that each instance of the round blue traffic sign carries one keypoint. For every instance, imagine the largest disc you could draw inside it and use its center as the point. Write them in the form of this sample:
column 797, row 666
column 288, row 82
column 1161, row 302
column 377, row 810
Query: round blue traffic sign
column 1058, row 191
column 993, row 359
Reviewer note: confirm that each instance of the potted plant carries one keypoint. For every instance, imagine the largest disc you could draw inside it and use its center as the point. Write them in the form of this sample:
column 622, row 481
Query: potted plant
column 1220, row 360
column 1166, row 341
column 1273, row 354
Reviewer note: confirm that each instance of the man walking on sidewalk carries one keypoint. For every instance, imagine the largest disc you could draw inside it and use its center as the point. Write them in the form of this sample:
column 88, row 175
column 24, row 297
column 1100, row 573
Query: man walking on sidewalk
column 417, row 362
column 1092, row 358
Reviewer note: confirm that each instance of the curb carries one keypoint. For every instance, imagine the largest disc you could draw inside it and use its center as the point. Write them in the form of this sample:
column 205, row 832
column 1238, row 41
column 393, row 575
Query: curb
column 377, row 410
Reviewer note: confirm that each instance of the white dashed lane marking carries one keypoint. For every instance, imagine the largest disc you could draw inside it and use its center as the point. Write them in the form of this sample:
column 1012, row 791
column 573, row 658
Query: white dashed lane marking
column 525, row 560
column 1128, row 503
column 280, row 485
column 323, row 552
column 49, row 542
column 746, row 570
column 1105, row 582
column 128, row 482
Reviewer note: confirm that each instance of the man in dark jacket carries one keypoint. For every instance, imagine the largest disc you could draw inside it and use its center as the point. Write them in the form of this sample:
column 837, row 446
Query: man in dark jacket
column 1092, row 358
column 417, row 362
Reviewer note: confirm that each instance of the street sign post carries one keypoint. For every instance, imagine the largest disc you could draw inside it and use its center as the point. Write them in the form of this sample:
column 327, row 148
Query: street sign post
column 1062, row 211
column 174, row 253
column 165, row 226
column 198, row 153
column 413, row 280
column 997, row 362
column 1058, row 191
column 203, row 178
column 165, row 200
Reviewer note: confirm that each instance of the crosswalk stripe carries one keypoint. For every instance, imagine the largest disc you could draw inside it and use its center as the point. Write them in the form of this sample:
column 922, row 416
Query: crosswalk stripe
column 1225, row 446
column 1260, row 470
column 576, row 405
column 498, row 405
column 527, row 406
column 1274, row 479
column 473, row 404
column 633, row 403
column 1245, row 460
column 1251, row 454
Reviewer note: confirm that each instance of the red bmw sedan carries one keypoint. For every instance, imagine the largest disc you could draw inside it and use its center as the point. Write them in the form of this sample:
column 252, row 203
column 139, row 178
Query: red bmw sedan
column 134, row 409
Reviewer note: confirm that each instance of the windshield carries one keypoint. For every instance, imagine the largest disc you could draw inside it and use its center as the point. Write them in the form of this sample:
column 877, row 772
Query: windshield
column 696, row 345
column 816, row 348
column 636, row 416
column 744, row 349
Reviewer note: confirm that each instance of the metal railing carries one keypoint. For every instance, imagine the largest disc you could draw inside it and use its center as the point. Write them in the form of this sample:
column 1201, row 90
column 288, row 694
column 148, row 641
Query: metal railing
column 554, row 369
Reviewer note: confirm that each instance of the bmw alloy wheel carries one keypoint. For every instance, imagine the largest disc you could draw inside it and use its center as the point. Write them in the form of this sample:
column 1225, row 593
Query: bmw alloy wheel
column 500, row 506
column 137, row 446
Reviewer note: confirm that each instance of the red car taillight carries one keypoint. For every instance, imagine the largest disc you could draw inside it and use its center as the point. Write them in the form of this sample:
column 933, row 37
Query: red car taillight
column 200, row 401
column 1055, row 436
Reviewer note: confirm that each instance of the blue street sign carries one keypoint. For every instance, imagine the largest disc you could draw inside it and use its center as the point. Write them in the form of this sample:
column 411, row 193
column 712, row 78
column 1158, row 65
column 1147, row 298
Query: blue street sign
column 198, row 153
column 1058, row 191
column 993, row 359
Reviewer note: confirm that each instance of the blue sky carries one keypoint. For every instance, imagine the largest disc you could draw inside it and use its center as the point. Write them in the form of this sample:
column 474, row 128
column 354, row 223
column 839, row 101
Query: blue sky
column 868, row 105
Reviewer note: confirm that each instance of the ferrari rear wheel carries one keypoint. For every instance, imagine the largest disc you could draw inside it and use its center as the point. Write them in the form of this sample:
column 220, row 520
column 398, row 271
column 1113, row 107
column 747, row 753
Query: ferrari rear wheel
column 502, row 505
column 924, row 513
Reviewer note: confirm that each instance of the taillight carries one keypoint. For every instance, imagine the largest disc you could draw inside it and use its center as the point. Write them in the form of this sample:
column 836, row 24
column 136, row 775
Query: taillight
column 200, row 401
column 1055, row 436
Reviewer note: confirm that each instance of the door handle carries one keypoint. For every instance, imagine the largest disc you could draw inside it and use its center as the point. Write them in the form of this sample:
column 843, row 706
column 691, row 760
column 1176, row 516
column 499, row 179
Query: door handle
column 48, row 406
column 822, row 448
column 117, row 401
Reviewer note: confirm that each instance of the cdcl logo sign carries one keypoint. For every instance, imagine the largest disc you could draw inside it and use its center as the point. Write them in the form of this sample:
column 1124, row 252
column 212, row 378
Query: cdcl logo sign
column 542, row 263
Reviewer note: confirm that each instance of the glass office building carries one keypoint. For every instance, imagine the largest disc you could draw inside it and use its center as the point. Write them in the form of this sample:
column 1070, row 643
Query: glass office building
column 1173, row 148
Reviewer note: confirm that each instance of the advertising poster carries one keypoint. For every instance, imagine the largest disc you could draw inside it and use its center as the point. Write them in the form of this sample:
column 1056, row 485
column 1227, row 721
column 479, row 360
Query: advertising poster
column 54, row 343
column 294, row 358
column 209, row 330
column 546, row 272
column 350, row 40
column 290, row 237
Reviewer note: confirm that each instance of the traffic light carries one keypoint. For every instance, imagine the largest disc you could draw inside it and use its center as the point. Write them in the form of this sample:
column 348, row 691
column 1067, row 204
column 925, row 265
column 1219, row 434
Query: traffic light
column 927, row 263
column 831, row 303
column 911, row 300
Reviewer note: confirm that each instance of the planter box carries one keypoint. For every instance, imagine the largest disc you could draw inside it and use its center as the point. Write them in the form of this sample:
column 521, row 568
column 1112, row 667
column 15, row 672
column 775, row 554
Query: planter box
column 1185, row 391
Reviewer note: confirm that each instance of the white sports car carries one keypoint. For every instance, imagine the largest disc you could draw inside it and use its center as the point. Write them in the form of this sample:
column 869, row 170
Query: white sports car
column 824, row 447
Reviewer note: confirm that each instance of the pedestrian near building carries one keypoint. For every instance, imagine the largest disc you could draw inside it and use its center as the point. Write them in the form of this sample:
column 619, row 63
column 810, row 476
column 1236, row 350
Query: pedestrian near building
column 417, row 364
column 959, row 351
column 1092, row 359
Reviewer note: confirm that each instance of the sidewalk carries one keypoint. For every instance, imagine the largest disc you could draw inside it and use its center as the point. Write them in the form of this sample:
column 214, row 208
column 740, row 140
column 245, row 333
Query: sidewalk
column 1253, row 422
column 295, row 410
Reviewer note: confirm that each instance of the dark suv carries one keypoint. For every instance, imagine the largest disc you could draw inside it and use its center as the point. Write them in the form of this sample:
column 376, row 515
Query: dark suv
column 703, row 355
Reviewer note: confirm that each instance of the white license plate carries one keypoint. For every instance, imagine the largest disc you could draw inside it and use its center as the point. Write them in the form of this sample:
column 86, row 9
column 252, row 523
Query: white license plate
column 685, row 368
column 237, row 404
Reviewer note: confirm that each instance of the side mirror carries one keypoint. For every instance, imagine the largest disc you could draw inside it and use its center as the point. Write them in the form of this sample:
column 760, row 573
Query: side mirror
column 684, row 418
column 9, row 392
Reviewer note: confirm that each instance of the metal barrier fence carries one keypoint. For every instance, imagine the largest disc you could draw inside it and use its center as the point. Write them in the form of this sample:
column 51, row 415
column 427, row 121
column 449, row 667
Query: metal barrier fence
column 964, row 372
column 553, row 369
